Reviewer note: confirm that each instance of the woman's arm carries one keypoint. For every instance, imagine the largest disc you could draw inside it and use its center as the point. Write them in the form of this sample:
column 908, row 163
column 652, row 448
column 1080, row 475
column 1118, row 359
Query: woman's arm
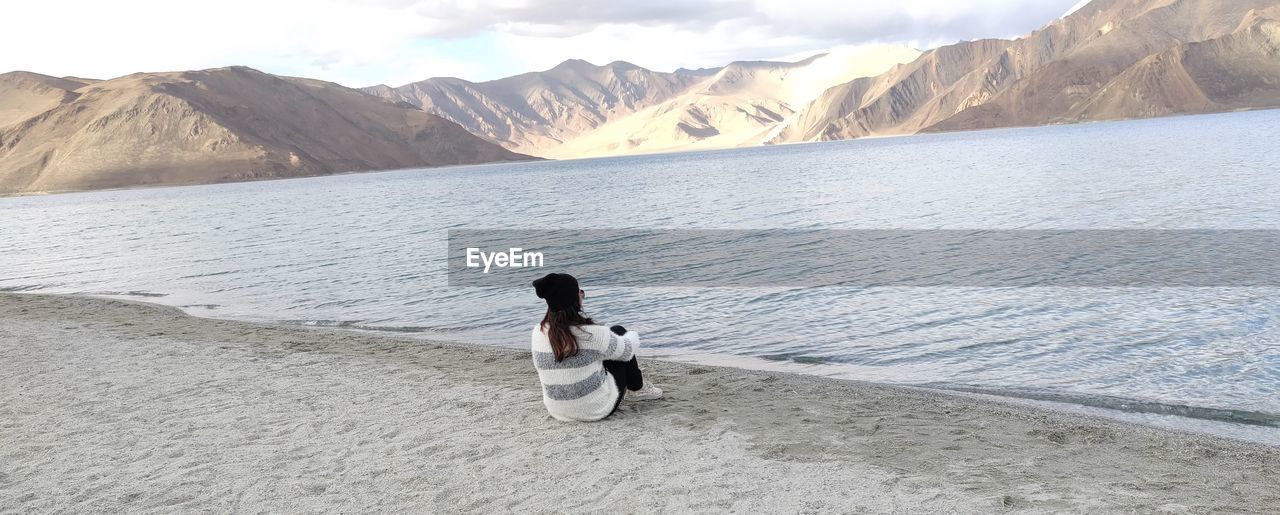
column 622, row 344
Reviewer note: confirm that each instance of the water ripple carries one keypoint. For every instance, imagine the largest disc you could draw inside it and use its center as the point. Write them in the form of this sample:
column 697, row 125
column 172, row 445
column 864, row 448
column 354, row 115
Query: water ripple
column 367, row 252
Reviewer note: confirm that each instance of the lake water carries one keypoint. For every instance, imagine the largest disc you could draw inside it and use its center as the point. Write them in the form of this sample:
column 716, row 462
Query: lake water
column 368, row 251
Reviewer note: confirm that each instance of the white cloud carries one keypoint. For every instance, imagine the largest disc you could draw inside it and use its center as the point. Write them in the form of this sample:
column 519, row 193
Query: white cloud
column 329, row 39
column 665, row 47
column 397, row 41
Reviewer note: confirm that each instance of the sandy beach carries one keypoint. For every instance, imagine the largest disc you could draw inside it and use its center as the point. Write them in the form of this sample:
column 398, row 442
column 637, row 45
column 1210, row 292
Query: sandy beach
column 110, row 406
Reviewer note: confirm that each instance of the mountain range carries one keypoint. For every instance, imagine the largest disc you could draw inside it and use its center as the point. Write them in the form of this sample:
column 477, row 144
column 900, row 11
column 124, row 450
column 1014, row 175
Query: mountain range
column 1111, row 59
column 219, row 125
column 1107, row 60
column 578, row 109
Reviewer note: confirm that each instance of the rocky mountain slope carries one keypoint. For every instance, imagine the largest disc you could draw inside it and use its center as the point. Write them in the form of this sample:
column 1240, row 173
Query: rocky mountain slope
column 742, row 104
column 218, row 125
column 1236, row 71
column 25, row 94
column 578, row 109
column 1111, row 59
column 537, row 111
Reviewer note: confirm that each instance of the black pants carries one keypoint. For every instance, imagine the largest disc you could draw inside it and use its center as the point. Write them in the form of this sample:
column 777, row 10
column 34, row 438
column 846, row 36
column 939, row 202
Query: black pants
column 627, row 376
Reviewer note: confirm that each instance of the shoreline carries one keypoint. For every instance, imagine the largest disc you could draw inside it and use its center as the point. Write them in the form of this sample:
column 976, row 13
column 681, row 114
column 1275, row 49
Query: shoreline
column 1262, row 433
column 111, row 404
column 1162, row 416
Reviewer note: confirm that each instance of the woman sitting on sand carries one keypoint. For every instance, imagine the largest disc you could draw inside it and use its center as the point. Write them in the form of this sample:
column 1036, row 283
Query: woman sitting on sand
column 585, row 368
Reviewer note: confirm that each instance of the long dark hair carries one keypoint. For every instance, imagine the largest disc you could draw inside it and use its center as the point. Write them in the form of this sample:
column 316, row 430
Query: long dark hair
column 564, row 312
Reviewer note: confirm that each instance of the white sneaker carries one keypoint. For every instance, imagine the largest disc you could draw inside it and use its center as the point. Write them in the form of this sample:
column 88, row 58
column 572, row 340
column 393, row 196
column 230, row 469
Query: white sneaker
column 647, row 392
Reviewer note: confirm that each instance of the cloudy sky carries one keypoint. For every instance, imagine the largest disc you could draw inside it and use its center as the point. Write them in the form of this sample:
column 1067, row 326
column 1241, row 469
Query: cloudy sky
column 360, row 43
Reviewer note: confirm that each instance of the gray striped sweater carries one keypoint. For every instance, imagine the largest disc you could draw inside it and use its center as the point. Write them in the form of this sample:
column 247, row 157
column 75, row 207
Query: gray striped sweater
column 579, row 388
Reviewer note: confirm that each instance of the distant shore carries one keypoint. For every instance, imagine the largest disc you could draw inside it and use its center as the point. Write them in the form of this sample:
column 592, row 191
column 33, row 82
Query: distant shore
column 110, row 405
column 656, row 153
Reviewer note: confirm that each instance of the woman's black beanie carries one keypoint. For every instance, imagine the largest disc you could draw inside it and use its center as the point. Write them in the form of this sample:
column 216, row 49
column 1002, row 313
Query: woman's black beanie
column 559, row 290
